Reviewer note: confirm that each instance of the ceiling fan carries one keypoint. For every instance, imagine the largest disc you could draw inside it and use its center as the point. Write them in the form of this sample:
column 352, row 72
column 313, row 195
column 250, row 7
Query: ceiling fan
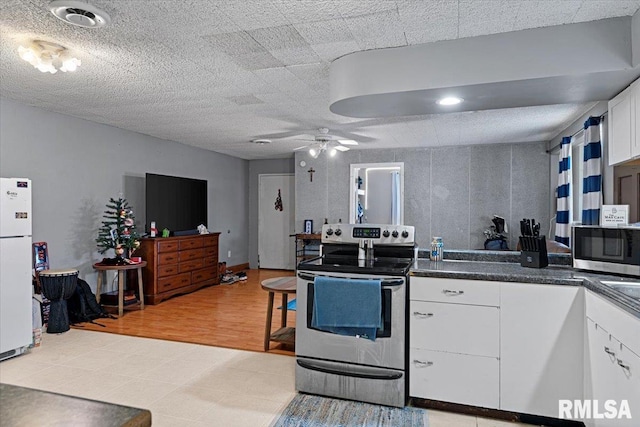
column 324, row 142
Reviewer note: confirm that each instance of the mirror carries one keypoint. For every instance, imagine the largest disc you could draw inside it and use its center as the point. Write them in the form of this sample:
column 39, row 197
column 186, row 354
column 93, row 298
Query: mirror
column 376, row 194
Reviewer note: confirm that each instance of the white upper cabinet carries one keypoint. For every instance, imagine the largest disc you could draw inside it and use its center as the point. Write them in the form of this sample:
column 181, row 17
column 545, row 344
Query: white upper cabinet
column 624, row 125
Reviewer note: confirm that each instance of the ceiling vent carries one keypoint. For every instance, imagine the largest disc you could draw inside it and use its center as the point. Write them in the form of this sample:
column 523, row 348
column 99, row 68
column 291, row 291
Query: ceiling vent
column 79, row 13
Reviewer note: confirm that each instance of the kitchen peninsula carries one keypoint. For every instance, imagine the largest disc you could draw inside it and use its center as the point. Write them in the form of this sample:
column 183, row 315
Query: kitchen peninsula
column 500, row 336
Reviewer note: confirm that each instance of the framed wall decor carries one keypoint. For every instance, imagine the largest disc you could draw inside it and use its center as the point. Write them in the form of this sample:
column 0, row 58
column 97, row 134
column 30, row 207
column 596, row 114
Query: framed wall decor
column 308, row 226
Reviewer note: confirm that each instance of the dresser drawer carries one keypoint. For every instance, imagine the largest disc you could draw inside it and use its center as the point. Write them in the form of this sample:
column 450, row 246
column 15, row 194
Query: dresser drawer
column 455, row 291
column 211, row 240
column 167, row 246
column 456, row 378
column 210, row 251
column 210, row 261
column 189, row 254
column 190, row 244
column 174, row 282
column 457, row 328
column 204, row 274
column 190, row 265
column 167, row 270
column 167, row 258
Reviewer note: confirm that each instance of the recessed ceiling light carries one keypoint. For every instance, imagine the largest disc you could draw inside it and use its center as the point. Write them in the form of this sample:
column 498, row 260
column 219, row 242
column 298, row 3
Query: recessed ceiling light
column 450, row 100
column 261, row 141
column 79, row 13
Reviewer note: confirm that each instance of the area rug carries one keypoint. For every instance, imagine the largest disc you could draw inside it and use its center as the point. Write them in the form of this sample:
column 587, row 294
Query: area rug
column 315, row 411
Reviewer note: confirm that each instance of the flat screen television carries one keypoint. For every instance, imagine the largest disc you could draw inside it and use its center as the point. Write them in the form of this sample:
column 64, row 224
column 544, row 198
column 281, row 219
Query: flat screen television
column 178, row 204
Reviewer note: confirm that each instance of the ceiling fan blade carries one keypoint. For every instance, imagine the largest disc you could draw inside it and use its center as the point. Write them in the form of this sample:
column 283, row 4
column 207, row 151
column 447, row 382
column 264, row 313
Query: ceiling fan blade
column 300, row 148
column 342, row 148
column 347, row 142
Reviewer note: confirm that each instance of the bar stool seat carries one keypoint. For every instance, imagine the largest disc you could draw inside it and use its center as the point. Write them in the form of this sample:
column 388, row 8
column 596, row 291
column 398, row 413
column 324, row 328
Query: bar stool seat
column 284, row 286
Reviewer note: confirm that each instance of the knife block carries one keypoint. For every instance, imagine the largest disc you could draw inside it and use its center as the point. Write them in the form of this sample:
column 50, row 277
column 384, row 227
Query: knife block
column 534, row 254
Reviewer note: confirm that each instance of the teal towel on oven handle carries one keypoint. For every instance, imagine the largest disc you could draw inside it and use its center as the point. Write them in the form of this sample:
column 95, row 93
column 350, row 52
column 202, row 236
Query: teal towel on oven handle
column 350, row 307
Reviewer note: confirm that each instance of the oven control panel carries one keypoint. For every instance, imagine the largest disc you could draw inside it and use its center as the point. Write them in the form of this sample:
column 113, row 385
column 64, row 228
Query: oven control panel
column 385, row 234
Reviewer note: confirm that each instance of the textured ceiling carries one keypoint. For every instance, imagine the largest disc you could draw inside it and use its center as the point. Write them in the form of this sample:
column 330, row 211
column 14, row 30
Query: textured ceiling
column 217, row 74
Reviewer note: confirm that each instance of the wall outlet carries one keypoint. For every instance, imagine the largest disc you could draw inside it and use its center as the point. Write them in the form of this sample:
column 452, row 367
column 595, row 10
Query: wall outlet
column 229, row 254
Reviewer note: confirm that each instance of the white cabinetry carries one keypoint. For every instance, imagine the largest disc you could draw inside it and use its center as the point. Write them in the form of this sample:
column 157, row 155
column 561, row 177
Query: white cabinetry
column 624, row 125
column 454, row 333
column 612, row 368
column 541, row 347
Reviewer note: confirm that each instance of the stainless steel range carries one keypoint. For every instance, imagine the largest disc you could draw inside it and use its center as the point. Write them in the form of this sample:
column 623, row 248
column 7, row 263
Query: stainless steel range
column 357, row 365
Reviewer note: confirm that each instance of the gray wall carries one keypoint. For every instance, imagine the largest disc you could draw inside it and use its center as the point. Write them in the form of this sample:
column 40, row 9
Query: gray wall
column 257, row 167
column 451, row 192
column 76, row 165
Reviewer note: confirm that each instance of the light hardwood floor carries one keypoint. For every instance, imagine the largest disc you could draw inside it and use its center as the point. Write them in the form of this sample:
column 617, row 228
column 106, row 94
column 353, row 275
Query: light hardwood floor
column 232, row 316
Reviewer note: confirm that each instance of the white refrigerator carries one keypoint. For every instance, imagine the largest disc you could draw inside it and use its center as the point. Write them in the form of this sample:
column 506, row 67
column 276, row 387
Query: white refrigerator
column 15, row 267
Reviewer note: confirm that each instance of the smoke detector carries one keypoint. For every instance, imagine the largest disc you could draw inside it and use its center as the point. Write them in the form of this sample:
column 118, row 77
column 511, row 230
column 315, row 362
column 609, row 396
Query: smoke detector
column 79, row 13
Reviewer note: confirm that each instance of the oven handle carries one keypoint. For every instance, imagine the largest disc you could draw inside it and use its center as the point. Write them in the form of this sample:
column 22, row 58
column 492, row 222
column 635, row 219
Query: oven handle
column 383, row 282
column 354, row 371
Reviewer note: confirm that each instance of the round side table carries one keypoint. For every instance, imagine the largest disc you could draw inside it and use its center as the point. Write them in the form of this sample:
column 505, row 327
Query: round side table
column 121, row 269
column 284, row 286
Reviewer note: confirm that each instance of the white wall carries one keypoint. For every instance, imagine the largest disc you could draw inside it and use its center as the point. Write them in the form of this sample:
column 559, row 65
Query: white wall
column 77, row 165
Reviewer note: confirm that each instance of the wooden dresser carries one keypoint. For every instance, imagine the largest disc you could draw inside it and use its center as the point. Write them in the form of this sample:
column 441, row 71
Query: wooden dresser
column 178, row 265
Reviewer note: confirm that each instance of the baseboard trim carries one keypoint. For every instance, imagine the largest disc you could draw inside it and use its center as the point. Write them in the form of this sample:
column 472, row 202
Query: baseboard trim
column 239, row 267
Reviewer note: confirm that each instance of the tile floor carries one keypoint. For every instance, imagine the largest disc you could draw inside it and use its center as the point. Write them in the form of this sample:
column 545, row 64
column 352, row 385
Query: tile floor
column 181, row 384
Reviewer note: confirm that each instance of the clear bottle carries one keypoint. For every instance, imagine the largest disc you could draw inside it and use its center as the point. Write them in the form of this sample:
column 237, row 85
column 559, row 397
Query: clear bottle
column 437, row 246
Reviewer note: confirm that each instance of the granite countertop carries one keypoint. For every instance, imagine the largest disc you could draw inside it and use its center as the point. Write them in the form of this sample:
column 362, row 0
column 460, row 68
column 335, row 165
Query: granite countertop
column 20, row 406
column 503, row 271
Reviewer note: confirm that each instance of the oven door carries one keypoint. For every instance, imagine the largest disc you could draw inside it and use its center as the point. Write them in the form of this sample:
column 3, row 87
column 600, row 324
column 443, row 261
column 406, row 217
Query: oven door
column 386, row 351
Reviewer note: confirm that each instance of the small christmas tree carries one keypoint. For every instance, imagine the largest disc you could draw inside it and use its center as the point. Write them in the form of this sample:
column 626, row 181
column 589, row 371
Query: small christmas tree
column 118, row 231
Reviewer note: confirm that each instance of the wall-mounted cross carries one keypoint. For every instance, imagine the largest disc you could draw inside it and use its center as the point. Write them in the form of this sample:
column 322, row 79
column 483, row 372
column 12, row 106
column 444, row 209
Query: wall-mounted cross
column 311, row 171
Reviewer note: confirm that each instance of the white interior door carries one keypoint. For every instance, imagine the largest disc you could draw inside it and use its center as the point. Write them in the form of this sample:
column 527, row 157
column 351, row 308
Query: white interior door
column 276, row 247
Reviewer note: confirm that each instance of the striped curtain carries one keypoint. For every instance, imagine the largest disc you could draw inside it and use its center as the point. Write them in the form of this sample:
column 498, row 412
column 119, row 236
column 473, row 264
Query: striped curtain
column 564, row 202
column 592, row 173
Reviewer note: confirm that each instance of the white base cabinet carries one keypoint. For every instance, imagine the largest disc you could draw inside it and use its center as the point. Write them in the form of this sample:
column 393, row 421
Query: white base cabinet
column 612, row 369
column 524, row 348
column 454, row 339
column 541, row 347
column 456, row 378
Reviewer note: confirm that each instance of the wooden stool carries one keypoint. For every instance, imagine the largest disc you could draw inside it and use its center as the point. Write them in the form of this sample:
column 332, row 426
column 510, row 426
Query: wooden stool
column 284, row 286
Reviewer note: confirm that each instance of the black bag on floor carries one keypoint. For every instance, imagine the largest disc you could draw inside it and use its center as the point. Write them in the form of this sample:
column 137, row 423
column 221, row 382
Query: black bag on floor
column 83, row 307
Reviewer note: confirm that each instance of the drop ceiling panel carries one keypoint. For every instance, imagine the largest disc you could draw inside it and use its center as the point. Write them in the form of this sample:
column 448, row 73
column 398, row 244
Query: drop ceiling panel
column 217, row 74
column 438, row 21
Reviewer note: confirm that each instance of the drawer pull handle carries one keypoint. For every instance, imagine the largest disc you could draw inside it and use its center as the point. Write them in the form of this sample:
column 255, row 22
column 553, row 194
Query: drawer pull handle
column 421, row 364
column 623, row 366
column 609, row 352
column 422, row 315
column 450, row 292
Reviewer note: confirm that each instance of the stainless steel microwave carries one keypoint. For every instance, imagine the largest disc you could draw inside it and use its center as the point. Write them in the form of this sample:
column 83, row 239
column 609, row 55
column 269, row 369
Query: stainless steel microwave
column 607, row 249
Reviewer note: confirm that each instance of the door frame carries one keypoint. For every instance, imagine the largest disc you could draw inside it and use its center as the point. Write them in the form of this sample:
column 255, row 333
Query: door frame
column 291, row 212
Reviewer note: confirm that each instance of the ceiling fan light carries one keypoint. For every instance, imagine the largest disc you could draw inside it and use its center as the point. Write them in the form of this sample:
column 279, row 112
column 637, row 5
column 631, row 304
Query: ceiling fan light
column 333, row 152
column 342, row 148
column 314, row 153
column 347, row 142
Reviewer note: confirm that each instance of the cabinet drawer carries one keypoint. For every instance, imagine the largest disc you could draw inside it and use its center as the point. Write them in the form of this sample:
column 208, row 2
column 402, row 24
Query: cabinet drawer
column 167, row 270
column 211, row 240
column 210, row 261
column 457, row 328
column 189, row 255
column 190, row 265
column 167, row 258
column 174, row 282
column 167, row 246
column 204, row 274
column 190, row 244
column 455, row 291
column 457, row 378
column 210, row 251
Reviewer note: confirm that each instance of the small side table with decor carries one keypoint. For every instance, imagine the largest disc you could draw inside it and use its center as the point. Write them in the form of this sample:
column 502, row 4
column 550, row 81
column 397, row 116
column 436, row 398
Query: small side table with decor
column 121, row 270
column 284, row 286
